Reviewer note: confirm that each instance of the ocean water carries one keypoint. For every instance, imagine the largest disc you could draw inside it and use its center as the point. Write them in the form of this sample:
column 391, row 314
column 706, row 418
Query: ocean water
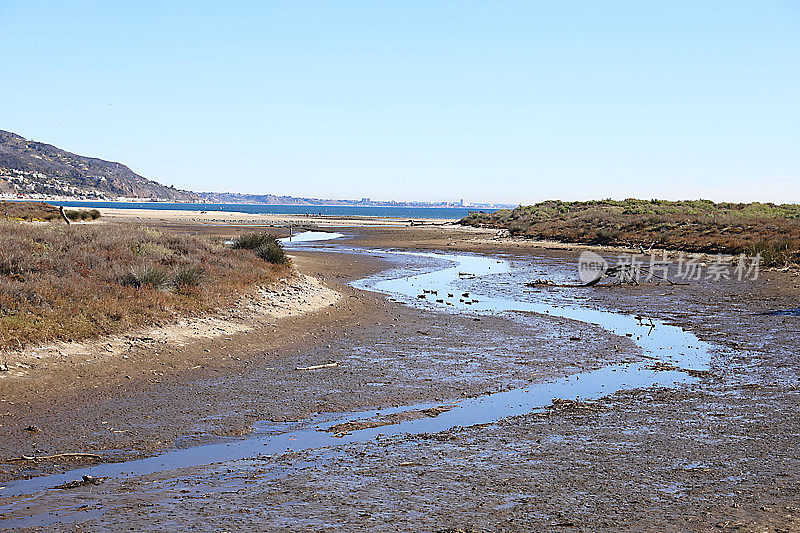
column 336, row 210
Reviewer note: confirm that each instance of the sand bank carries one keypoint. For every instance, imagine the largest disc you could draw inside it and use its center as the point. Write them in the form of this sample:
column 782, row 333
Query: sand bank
column 237, row 218
column 289, row 297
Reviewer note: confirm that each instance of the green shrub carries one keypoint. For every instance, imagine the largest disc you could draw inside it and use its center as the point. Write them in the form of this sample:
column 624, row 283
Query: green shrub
column 152, row 251
column 188, row 276
column 82, row 214
column 252, row 241
column 264, row 245
column 272, row 252
column 606, row 235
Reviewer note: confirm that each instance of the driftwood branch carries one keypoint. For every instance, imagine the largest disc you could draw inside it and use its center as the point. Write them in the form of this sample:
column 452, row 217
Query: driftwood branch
column 37, row 458
column 564, row 285
column 649, row 249
column 317, row 367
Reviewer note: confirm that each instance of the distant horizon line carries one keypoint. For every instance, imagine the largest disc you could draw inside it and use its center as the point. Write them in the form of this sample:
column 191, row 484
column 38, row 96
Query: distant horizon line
column 329, row 202
column 507, row 204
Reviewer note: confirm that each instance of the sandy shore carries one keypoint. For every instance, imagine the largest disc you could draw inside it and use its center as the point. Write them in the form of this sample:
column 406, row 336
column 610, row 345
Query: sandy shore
column 240, row 218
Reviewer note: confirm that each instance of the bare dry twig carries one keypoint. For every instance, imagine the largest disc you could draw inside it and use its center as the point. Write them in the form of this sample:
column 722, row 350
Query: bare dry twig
column 37, row 458
column 316, row 367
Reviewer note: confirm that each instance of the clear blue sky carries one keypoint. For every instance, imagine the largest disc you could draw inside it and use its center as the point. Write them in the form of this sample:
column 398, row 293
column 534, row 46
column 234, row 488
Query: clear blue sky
column 431, row 100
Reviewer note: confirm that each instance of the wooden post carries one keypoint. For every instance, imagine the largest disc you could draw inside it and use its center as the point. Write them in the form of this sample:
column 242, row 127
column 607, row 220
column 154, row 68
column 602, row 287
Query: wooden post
column 64, row 215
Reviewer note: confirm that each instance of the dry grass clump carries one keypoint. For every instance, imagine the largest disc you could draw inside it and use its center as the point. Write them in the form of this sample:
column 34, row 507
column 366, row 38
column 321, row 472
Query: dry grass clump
column 60, row 282
column 695, row 226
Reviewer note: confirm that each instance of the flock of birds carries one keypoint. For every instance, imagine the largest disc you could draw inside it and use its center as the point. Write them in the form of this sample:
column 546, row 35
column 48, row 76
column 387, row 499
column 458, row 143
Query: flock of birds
column 465, row 297
column 450, row 300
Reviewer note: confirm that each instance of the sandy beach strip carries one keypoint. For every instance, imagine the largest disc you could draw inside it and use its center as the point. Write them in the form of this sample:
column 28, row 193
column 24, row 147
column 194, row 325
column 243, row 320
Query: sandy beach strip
column 213, row 217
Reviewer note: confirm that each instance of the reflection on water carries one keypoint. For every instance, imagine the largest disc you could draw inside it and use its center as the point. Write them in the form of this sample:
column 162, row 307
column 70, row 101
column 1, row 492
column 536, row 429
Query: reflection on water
column 303, row 237
column 443, row 289
column 309, row 236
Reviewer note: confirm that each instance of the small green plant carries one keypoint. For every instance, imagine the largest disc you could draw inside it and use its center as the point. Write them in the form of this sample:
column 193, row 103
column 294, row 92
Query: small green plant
column 252, row 241
column 272, row 252
column 188, row 276
column 146, row 276
column 152, row 251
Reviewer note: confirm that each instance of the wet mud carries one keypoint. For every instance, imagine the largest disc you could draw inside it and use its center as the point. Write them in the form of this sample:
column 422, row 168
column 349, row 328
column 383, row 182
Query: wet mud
column 715, row 449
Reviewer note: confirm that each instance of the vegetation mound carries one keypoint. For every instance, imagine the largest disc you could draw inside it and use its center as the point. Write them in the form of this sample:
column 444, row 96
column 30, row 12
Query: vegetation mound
column 693, row 226
column 60, row 282
column 264, row 245
column 43, row 212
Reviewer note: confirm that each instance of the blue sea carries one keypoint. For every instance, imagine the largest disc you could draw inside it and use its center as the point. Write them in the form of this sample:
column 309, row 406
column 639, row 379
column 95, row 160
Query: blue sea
column 340, row 210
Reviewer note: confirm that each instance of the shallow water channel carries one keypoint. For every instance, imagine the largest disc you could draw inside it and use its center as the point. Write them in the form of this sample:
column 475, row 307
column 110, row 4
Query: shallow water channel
column 441, row 288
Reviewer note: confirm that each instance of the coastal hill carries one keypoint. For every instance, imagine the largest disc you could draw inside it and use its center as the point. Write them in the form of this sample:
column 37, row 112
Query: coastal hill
column 37, row 171
column 30, row 167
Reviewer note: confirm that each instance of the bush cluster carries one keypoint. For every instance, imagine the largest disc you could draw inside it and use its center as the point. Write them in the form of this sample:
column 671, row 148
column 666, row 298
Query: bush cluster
column 264, row 245
column 82, row 214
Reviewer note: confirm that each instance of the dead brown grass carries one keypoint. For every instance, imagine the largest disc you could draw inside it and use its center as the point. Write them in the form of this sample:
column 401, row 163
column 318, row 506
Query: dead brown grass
column 61, row 282
column 30, row 211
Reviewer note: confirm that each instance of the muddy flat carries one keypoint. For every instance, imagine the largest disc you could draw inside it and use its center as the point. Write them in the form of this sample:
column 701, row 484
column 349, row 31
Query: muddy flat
column 437, row 393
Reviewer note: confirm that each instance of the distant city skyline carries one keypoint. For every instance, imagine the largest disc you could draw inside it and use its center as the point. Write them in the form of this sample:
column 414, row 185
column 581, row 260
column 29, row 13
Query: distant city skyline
column 498, row 102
